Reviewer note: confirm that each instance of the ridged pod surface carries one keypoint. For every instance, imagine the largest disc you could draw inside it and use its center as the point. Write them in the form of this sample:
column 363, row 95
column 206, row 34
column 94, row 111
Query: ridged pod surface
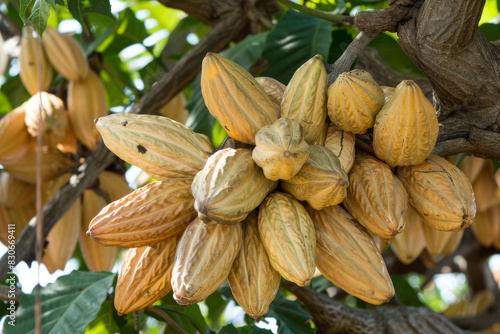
column 65, row 54
column 376, row 198
column 341, row 143
column 280, row 149
column 86, row 103
column 321, row 181
column 203, row 260
column 440, row 192
column 96, row 256
column 146, row 216
column 15, row 193
column 176, row 109
column 486, row 226
column 253, row 280
column 441, row 242
column 354, row 99
column 408, row 244
column 388, row 92
column 63, row 237
column 161, row 147
column 235, row 98
column 348, row 256
column 229, row 187
column 288, row 235
column 14, row 138
column 54, row 118
column 273, row 88
column 30, row 60
column 304, row 100
column 145, row 276
column 485, row 188
column 406, row 128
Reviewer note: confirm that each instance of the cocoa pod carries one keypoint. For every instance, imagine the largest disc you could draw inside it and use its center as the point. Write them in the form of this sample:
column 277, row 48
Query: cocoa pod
column 235, row 98
column 146, row 216
column 382, row 243
column 5, row 226
column 175, row 109
column 321, row 181
column 97, row 257
column 408, row 244
column 288, row 235
column 32, row 58
column 441, row 242
column 161, row 147
column 15, row 193
column 14, row 138
column 354, row 99
column 362, row 274
column 486, row 226
column 485, row 188
column 376, row 198
column 145, row 276
column 229, row 187
column 440, row 192
column 388, row 92
column 342, row 144
column 19, row 218
column 203, row 260
column 86, row 102
column 114, row 185
column 273, row 88
column 253, row 281
column 65, row 54
column 280, row 149
column 471, row 166
column 304, row 99
column 406, row 128
column 68, row 143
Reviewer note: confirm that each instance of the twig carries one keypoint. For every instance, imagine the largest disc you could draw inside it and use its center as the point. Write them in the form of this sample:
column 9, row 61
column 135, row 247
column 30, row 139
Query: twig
column 166, row 317
column 338, row 19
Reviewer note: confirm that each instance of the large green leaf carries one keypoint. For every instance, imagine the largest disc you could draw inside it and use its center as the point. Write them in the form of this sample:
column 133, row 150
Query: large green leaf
column 68, row 305
column 129, row 30
column 230, row 329
column 296, row 38
column 292, row 318
column 405, row 292
column 216, row 306
column 104, row 322
column 79, row 8
column 491, row 31
column 341, row 39
column 40, row 15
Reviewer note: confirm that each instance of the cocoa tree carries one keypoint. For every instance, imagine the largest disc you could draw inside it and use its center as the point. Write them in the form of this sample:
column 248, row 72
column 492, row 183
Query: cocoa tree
column 458, row 69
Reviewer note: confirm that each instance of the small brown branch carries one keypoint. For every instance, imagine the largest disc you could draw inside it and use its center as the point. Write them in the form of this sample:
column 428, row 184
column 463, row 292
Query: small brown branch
column 338, row 19
column 381, row 20
column 167, row 319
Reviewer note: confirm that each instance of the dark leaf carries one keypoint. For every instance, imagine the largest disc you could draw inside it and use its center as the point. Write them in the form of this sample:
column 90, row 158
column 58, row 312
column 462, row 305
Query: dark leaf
column 292, row 318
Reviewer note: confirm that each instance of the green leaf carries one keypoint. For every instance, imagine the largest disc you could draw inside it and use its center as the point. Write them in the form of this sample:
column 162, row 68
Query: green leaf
column 292, row 317
column 78, row 8
column 23, row 6
column 341, row 39
column 216, row 306
column 320, row 284
column 129, row 30
column 460, row 158
column 104, row 322
column 496, row 165
column 40, row 15
column 68, row 305
column 230, row 329
column 296, row 38
column 491, row 31
column 5, row 105
column 405, row 292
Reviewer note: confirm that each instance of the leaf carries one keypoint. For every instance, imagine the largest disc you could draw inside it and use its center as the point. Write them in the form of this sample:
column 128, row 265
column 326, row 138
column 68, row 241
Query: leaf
column 230, row 329
column 320, row 284
column 218, row 134
column 129, row 30
column 40, row 15
column 104, row 322
column 491, row 31
column 291, row 315
column 296, row 38
column 496, row 165
column 341, row 39
column 405, row 292
column 78, row 8
column 460, row 158
column 5, row 105
column 23, row 5
column 68, row 305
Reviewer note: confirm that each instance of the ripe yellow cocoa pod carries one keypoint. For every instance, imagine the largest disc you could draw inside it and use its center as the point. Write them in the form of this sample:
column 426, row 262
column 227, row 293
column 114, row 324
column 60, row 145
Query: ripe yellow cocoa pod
column 203, row 260
column 376, row 198
column 321, row 181
column 485, row 188
column 32, row 58
column 486, row 226
column 54, row 118
column 235, row 98
column 354, row 99
column 253, row 281
column 96, row 256
column 19, row 218
column 362, row 274
column 145, row 276
column 382, row 243
column 4, row 225
column 273, row 88
column 86, row 103
column 406, row 128
column 472, row 166
column 408, row 244
column 280, row 149
column 288, row 235
column 175, row 109
column 65, row 54
column 388, row 92
column 482, row 300
column 440, row 192
column 304, row 100
column 456, row 309
column 161, row 147
column 229, row 187
column 63, row 237
column 146, row 216
column 441, row 242
column 342, row 144
column 114, row 185
column 15, row 193
column 14, row 138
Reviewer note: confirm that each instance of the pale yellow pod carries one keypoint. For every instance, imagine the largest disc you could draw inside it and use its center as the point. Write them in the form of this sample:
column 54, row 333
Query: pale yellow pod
column 114, row 185
column 280, row 149
column 5, row 226
column 408, row 244
column 304, row 99
column 14, row 138
column 440, row 192
column 175, row 109
column 406, row 128
column 253, row 281
column 235, row 98
column 342, row 143
column 19, row 218
column 485, row 187
column 349, row 257
column 376, row 198
column 145, row 276
column 163, row 148
column 288, row 235
column 486, row 226
column 354, row 99
column 15, row 193
column 441, row 242
column 273, row 88
column 321, row 181
column 229, row 187
column 203, row 260
column 388, row 92
column 32, row 58
column 472, row 166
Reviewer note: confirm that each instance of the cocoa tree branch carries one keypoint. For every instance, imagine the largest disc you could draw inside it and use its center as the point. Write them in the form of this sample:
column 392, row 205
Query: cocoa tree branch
column 338, row 19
